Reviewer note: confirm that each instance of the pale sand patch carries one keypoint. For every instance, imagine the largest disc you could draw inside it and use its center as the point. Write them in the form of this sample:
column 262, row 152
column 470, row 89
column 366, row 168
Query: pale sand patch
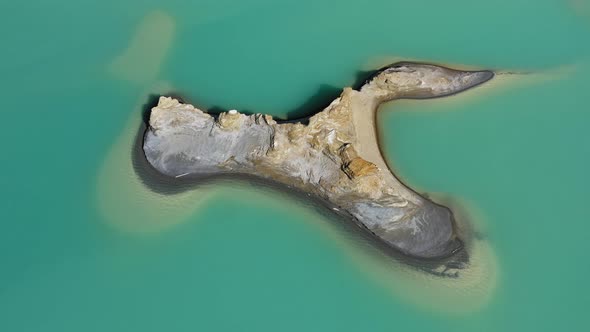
column 122, row 198
column 472, row 291
column 580, row 7
column 367, row 145
column 365, row 118
column 125, row 201
column 142, row 60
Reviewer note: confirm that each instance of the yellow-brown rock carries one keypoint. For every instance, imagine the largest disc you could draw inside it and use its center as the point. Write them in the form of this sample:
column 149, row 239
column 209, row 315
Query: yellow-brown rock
column 359, row 167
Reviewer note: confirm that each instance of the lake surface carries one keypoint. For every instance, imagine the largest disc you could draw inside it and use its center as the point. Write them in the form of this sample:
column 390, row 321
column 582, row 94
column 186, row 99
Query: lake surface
column 85, row 245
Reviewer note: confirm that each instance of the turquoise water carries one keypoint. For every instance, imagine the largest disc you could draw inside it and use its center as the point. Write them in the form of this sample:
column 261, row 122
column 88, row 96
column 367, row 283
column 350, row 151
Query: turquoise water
column 85, row 246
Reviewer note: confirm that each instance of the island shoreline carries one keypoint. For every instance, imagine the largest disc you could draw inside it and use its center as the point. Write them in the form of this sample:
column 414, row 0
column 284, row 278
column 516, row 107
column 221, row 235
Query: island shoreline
column 437, row 240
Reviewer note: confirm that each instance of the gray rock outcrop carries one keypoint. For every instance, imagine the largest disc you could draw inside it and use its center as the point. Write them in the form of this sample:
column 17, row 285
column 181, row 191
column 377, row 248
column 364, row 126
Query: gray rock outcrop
column 334, row 156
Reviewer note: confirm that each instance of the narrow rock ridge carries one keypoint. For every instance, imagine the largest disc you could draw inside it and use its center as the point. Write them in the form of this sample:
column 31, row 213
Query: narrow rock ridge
column 335, row 156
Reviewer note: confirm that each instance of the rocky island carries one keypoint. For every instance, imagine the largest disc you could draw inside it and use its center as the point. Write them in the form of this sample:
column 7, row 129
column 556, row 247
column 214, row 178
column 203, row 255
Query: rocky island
column 333, row 155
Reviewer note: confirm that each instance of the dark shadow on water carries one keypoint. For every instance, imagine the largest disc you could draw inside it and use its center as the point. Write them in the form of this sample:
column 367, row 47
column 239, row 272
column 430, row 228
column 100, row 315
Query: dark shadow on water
column 362, row 77
column 324, row 95
column 152, row 101
column 317, row 102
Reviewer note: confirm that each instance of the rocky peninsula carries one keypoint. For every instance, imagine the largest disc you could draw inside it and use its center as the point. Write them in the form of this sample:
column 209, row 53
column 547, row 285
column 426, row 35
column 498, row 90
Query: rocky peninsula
column 333, row 155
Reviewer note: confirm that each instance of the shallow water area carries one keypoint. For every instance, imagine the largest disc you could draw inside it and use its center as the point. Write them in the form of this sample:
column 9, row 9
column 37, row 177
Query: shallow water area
column 87, row 245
